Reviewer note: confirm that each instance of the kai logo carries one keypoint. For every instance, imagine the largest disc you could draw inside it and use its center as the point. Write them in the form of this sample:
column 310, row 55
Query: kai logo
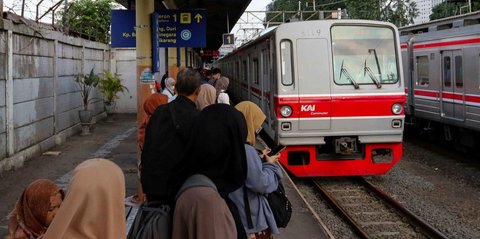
column 306, row 108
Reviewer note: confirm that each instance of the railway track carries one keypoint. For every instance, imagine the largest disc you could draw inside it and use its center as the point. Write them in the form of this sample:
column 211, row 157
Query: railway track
column 370, row 212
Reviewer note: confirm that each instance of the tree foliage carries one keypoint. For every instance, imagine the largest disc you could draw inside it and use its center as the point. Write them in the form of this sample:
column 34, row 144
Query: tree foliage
column 89, row 18
column 398, row 12
column 452, row 8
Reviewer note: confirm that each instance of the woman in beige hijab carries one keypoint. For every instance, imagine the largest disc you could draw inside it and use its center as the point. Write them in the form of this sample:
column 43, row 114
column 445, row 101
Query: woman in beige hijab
column 206, row 97
column 254, row 117
column 94, row 205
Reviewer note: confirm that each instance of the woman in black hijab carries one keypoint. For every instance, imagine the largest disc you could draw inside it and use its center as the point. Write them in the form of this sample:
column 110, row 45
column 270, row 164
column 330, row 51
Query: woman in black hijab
column 216, row 150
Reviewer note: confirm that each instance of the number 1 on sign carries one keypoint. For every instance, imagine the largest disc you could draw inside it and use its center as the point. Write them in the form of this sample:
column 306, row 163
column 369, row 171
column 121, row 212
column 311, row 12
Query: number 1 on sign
column 175, row 17
column 229, row 39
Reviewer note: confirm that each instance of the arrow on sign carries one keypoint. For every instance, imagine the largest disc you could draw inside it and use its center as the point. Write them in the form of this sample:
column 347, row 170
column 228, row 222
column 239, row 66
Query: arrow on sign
column 198, row 17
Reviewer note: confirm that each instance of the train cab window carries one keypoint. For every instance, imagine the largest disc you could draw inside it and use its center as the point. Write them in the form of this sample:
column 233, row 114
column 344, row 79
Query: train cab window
column 458, row 71
column 364, row 55
column 286, row 62
column 447, row 79
column 422, row 71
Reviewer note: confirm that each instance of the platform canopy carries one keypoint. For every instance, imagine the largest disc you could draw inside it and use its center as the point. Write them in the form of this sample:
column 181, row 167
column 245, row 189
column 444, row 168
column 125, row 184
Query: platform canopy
column 218, row 11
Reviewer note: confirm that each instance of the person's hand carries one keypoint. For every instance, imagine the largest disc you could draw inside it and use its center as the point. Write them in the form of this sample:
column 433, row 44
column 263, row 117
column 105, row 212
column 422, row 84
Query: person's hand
column 265, row 152
column 273, row 158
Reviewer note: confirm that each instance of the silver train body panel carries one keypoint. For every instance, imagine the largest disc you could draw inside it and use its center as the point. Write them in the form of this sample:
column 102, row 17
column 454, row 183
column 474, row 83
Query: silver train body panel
column 442, row 71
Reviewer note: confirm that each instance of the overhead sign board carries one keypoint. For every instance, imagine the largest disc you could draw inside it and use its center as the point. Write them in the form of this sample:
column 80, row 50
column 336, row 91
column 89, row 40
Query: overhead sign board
column 228, row 39
column 180, row 28
column 123, row 28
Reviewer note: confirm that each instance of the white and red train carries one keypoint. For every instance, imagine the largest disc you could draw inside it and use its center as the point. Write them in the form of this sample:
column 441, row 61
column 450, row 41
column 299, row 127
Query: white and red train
column 441, row 62
column 332, row 90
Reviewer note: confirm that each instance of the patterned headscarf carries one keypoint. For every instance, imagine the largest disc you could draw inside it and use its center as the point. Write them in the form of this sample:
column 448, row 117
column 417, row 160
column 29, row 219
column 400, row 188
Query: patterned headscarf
column 94, row 204
column 30, row 212
column 254, row 117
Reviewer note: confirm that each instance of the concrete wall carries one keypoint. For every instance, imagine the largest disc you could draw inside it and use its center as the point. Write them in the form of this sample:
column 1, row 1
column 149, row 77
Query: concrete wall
column 124, row 62
column 39, row 99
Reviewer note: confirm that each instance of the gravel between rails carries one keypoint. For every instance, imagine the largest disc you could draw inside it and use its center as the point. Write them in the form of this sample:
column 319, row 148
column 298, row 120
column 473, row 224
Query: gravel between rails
column 439, row 185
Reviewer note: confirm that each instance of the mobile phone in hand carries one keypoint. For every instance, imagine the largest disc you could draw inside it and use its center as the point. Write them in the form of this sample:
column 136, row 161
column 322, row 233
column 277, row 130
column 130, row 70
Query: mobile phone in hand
column 277, row 150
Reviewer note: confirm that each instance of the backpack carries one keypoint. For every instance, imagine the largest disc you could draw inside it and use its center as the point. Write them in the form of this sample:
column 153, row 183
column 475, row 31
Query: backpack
column 280, row 205
column 154, row 219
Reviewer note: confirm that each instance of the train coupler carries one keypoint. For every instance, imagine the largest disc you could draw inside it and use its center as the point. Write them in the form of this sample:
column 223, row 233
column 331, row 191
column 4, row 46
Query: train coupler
column 345, row 145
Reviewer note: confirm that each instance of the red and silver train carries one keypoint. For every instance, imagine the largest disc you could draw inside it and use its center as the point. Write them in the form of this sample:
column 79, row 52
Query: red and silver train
column 332, row 90
column 441, row 62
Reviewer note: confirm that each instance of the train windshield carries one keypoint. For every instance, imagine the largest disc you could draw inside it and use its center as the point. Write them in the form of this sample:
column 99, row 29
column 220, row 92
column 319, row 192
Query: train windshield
column 364, row 55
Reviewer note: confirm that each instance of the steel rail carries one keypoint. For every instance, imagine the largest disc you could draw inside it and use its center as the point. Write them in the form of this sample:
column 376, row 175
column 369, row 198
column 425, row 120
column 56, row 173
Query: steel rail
column 333, row 203
column 416, row 221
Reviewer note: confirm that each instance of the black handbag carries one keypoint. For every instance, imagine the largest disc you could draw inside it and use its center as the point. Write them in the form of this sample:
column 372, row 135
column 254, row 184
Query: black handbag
column 278, row 202
column 280, row 205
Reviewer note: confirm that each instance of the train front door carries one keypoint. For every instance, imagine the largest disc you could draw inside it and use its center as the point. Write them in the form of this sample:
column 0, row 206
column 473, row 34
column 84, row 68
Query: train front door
column 453, row 93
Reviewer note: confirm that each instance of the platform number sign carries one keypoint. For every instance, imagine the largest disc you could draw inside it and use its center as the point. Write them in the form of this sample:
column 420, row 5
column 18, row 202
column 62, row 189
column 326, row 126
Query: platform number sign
column 228, row 39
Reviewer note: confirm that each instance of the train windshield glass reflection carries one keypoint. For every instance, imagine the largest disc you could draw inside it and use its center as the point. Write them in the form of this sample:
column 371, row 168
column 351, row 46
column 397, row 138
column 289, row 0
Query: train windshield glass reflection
column 364, row 55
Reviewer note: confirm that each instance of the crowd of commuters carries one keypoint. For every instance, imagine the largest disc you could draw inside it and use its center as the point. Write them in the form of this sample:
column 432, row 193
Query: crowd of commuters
column 190, row 131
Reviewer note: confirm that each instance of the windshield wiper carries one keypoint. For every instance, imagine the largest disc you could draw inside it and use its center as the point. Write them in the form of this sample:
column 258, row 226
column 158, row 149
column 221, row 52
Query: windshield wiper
column 367, row 69
column 348, row 76
column 378, row 66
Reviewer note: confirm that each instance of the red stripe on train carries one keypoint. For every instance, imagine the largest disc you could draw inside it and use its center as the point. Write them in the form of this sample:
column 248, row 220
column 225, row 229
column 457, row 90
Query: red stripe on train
column 449, row 43
column 339, row 106
column 472, row 98
column 425, row 93
column 448, row 95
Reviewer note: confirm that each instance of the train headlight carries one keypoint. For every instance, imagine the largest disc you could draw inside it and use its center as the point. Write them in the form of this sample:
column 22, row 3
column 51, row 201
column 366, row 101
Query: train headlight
column 397, row 108
column 286, row 111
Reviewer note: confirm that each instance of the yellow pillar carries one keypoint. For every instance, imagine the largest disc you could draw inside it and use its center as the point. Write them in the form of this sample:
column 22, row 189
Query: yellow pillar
column 143, row 11
column 172, row 62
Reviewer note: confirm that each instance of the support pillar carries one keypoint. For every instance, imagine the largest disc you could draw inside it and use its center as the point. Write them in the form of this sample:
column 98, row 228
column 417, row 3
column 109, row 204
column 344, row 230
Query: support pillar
column 9, row 96
column 143, row 11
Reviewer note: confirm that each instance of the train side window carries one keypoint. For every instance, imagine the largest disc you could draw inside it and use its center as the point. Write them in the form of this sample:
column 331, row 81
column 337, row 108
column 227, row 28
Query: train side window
column 244, row 66
column 265, row 63
column 447, row 81
column 422, row 71
column 286, row 61
column 255, row 71
column 237, row 70
column 458, row 71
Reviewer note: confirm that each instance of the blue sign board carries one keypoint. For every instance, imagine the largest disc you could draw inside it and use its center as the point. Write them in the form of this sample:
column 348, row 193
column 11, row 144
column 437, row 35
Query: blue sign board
column 180, row 28
column 123, row 28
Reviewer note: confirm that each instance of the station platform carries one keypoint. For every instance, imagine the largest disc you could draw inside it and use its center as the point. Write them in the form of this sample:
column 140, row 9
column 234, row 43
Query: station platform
column 117, row 141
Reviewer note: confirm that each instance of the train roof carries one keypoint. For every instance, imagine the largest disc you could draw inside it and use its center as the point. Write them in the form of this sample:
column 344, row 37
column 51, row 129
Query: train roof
column 271, row 30
column 442, row 24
